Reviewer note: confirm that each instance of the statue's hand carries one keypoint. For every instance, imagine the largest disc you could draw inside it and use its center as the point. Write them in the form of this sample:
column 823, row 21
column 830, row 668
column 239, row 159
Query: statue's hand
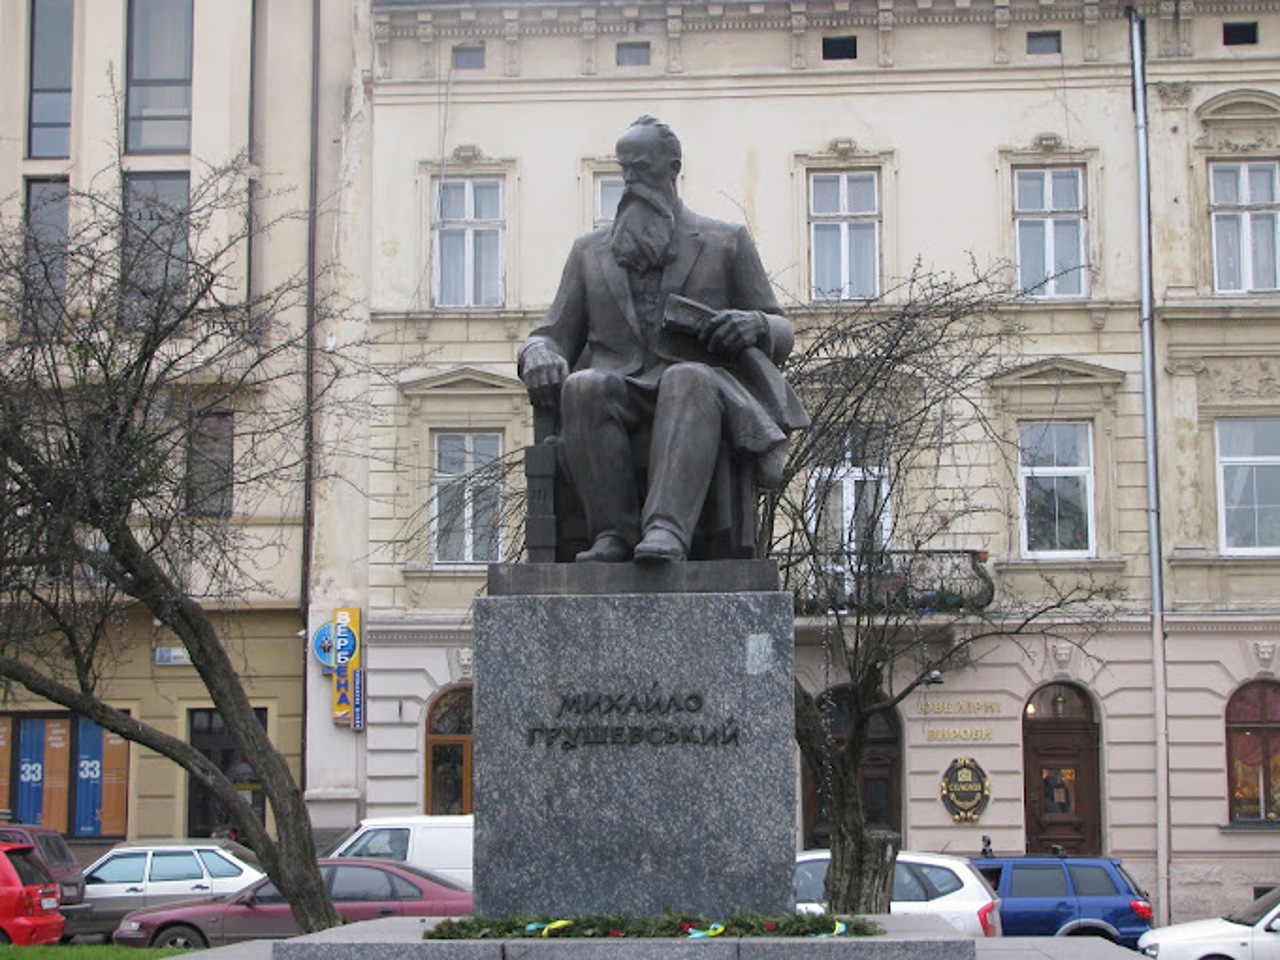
column 543, row 371
column 731, row 331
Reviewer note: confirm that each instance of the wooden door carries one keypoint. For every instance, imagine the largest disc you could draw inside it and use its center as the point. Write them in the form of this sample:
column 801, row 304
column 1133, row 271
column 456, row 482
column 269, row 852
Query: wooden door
column 1061, row 790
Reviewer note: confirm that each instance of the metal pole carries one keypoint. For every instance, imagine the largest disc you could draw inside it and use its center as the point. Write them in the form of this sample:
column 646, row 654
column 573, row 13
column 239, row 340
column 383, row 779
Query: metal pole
column 1159, row 684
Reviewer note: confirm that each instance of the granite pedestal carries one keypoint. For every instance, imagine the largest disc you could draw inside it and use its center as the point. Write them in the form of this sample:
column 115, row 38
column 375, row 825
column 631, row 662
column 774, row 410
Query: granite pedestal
column 634, row 749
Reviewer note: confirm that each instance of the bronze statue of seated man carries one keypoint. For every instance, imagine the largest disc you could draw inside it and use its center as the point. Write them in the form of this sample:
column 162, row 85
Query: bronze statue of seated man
column 664, row 335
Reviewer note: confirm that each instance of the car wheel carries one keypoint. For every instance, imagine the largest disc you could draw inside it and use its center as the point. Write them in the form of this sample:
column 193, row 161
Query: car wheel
column 4, row 939
column 180, row 937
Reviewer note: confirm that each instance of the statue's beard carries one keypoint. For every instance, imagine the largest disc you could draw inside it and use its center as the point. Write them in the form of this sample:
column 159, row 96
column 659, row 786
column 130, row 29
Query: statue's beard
column 643, row 230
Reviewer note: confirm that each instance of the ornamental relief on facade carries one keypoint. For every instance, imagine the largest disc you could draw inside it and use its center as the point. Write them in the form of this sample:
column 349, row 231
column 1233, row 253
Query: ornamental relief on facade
column 1231, row 380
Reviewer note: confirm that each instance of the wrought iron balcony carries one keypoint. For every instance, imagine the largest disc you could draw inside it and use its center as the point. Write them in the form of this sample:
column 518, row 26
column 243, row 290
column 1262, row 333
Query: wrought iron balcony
column 892, row 581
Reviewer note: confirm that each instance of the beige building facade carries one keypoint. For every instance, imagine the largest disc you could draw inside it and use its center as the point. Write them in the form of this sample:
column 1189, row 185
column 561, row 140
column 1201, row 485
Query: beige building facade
column 855, row 139
column 145, row 97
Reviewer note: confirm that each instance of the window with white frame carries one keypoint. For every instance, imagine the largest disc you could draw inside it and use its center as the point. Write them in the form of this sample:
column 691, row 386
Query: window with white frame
column 466, row 497
column 1249, row 485
column 1245, row 207
column 467, row 231
column 1050, row 225
column 844, row 234
column 1055, row 477
column 849, row 493
column 608, row 194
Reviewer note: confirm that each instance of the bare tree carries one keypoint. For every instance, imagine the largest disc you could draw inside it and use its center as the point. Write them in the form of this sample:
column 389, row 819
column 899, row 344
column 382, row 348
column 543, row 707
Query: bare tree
column 151, row 401
column 880, row 527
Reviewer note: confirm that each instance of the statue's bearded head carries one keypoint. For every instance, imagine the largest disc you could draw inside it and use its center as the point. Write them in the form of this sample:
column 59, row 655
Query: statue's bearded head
column 644, row 227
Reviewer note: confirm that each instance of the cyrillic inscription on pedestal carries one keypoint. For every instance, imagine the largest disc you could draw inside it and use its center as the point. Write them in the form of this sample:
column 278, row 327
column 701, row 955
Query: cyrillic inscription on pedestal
column 634, row 752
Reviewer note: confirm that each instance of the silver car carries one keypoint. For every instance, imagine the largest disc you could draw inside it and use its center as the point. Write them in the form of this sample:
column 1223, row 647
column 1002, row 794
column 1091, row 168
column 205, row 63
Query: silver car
column 923, row 883
column 144, row 874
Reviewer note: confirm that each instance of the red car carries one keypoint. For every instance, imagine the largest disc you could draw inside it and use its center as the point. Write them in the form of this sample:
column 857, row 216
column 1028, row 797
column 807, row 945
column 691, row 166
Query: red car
column 360, row 889
column 28, row 897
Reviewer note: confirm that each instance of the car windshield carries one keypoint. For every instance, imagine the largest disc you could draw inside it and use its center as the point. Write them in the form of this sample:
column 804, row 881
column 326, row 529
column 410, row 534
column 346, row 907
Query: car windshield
column 333, row 847
column 54, row 849
column 28, row 867
column 241, row 853
column 1255, row 911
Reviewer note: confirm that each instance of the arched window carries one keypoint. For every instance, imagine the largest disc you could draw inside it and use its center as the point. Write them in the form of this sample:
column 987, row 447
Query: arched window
column 1253, row 751
column 449, row 752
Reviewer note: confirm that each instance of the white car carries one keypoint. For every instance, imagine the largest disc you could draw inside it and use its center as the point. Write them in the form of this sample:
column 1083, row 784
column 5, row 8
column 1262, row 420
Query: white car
column 1249, row 934
column 923, row 883
column 144, row 874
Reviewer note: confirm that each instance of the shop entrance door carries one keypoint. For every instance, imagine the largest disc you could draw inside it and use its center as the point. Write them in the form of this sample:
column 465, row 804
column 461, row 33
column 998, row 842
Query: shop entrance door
column 1060, row 762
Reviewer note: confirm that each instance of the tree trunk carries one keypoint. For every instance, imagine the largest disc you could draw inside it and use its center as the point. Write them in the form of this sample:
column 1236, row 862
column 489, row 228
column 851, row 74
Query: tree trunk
column 860, row 875
column 290, row 859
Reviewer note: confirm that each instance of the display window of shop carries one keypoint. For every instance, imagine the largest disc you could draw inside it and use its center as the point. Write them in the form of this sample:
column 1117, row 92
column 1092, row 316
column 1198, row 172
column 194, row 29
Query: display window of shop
column 64, row 772
column 449, row 752
column 208, row 733
column 1253, row 752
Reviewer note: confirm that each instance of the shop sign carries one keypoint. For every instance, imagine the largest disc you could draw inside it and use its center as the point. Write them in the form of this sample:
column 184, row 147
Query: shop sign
column 965, row 790
column 336, row 645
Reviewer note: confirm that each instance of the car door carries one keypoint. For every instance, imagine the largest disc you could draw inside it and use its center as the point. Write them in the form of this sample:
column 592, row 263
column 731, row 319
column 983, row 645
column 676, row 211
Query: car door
column 259, row 913
column 362, row 891
column 1036, row 901
column 175, row 875
column 1266, row 937
column 114, row 887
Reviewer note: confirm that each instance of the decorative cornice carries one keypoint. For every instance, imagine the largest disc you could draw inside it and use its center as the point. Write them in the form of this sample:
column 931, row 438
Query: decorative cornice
column 399, row 19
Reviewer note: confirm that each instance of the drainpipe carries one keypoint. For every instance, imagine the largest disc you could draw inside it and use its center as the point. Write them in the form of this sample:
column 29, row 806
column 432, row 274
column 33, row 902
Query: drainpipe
column 1159, row 682
column 309, row 376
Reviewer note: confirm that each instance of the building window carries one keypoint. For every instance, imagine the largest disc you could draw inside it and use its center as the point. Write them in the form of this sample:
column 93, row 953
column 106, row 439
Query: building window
column 844, row 235
column 449, row 752
column 1044, row 41
column 1253, row 752
column 633, row 53
column 849, row 494
column 839, row 48
column 1238, row 34
column 467, row 497
column 468, row 56
column 468, row 231
column 45, row 268
column 1249, row 485
column 208, row 733
column 158, row 88
column 1055, row 474
column 154, row 271
column 1243, row 201
column 210, row 464
column 64, row 772
column 850, row 488
column 1049, row 220
column 49, row 109
column 608, row 194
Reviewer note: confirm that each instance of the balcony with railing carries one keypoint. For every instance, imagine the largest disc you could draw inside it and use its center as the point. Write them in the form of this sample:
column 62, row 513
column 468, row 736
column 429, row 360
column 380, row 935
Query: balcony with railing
column 891, row 582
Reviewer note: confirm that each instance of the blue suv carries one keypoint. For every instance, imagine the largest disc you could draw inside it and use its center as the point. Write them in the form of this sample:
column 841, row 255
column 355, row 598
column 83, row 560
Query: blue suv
column 1060, row 896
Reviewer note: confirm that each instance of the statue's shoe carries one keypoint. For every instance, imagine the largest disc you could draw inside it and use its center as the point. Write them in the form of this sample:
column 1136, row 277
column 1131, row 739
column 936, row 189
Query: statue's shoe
column 607, row 549
column 659, row 546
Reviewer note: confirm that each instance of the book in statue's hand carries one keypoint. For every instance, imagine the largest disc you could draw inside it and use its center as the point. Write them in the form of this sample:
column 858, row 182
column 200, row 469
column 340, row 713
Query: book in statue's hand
column 685, row 316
